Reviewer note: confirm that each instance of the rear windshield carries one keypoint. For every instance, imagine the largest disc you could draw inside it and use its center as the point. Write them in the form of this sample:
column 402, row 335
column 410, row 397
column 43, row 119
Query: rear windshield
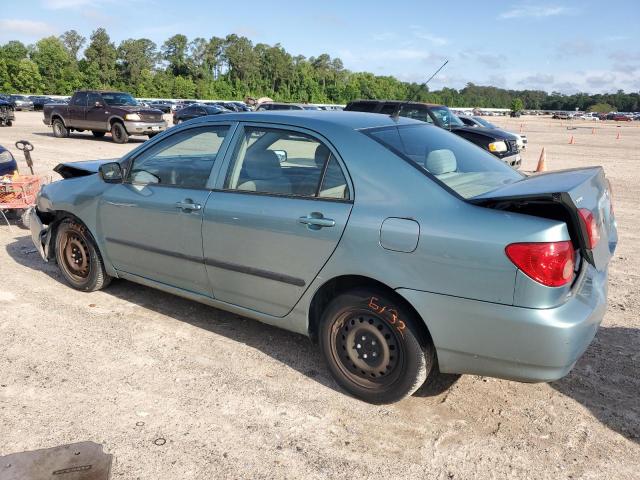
column 465, row 168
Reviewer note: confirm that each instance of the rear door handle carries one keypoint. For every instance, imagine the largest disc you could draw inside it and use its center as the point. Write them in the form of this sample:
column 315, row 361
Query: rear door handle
column 188, row 205
column 316, row 221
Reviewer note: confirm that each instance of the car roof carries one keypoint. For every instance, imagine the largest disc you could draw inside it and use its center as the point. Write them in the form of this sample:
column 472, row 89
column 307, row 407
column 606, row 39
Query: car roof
column 398, row 102
column 316, row 119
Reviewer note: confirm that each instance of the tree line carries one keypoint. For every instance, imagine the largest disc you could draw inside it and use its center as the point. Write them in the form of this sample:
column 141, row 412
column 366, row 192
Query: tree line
column 234, row 68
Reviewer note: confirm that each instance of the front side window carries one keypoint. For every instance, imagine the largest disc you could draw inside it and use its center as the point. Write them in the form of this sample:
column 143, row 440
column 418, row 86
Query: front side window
column 80, row 100
column 463, row 167
column 417, row 112
column 285, row 162
column 183, row 160
column 93, row 99
column 119, row 98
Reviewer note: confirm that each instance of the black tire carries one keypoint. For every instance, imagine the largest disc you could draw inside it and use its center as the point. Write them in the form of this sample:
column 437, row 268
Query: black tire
column 59, row 130
column 119, row 133
column 98, row 134
column 373, row 347
column 78, row 257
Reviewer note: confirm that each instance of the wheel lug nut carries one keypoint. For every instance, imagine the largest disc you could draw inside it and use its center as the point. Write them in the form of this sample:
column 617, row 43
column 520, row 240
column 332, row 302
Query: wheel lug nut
column 374, row 354
column 364, row 338
column 365, row 355
column 358, row 346
column 373, row 342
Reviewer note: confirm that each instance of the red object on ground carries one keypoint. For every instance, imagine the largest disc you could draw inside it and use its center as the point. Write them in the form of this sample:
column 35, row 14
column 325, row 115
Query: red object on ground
column 19, row 192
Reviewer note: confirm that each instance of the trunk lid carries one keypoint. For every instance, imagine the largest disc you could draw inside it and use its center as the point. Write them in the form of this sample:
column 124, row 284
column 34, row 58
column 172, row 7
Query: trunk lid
column 559, row 195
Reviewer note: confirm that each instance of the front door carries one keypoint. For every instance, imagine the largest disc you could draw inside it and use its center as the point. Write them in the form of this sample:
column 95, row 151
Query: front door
column 97, row 116
column 275, row 219
column 152, row 222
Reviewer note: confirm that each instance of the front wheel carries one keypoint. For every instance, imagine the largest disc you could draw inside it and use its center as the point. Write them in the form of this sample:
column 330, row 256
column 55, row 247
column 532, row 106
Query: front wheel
column 119, row 133
column 78, row 257
column 373, row 347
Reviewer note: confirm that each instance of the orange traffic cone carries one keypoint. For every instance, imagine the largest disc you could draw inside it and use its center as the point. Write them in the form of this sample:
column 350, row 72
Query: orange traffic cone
column 571, row 142
column 593, row 131
column 618, row 136
column 542, row 162
column 520, row 128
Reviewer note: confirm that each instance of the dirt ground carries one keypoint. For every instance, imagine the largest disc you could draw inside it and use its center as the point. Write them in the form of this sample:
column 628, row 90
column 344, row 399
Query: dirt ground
column 237, row 399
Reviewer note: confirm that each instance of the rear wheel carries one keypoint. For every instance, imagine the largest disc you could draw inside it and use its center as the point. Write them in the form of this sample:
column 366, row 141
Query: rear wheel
column 78, row 257
column 98, row 134
column 59, row 130
column 373, row 347
column 119, row 133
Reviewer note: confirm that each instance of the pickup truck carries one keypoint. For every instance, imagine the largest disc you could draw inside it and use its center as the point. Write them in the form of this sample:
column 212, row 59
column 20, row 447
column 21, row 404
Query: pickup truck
column 501, row 144
column 102, row 112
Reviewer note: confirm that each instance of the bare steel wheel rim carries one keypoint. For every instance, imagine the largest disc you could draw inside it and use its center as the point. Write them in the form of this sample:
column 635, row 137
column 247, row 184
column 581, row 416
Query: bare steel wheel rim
column 367, row 349
column 76, row 257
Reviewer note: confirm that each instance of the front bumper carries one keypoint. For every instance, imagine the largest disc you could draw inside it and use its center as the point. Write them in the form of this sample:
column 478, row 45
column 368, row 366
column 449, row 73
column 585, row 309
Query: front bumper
column 39, row 234
column 144, row 128
column 513, row 161
column 524, row 344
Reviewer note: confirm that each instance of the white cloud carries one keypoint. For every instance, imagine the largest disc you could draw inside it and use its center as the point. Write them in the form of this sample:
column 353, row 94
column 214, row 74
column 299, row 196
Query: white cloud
column 26, row 27
column 535, row 11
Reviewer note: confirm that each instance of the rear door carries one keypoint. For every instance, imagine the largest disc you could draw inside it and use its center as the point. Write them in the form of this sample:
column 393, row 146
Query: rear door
column 77, row 109
column 152, row 223
column 276, row 216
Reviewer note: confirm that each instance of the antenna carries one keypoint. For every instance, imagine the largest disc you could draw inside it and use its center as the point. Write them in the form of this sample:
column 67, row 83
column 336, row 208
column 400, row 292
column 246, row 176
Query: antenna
column 411, row 97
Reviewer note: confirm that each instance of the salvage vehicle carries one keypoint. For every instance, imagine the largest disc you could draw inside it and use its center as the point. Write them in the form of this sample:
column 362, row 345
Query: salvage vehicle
column 102, row 112
column 165, row 106
column 7, row 115
column 503, row 146
column 8, row 164
column 478, row 121
column 196, row 110
column 40, row 101
column 21, row 102
column 399, row 247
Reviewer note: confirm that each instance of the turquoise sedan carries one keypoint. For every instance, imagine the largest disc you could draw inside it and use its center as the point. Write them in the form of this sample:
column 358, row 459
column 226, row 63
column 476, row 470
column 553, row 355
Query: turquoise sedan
column 400, row 248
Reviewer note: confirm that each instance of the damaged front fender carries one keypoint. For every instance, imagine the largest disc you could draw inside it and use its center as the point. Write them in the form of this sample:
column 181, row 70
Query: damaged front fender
column 40, row 234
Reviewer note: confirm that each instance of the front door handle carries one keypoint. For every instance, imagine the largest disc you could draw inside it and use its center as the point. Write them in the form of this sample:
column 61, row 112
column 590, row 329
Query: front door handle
column 188, row 205
column 316, row 221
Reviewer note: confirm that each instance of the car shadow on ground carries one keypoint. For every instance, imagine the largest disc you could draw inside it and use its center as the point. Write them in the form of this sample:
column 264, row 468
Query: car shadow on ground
column 89, row 136
column 605, row 380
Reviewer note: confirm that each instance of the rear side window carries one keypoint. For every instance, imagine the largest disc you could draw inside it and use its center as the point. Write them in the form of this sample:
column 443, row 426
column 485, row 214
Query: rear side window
column 80, row 100
column 362, row 107
column 461, row 166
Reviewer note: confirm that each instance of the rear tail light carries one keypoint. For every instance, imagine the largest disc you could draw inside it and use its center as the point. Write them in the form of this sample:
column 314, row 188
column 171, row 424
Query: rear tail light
column 549, row 263
column 590, row 224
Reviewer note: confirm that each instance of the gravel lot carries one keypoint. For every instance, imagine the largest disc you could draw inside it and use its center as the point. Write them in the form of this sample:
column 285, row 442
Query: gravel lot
column 237, row 399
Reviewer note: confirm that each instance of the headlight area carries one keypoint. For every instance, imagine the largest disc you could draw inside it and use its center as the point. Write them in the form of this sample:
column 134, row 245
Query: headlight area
column 6, row 157
column 497, row 147
column 132, row 116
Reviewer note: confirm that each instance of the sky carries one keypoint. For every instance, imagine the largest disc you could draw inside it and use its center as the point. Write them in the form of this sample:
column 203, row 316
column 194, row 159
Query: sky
column 566, row 46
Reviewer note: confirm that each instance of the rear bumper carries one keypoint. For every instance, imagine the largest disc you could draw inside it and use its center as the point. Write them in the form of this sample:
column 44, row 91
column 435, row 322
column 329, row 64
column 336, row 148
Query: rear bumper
column 524, row 344
column 143, row 128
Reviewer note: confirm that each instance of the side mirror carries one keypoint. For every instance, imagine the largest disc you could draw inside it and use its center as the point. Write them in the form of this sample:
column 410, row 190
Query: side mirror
column 111, row 172
column 97, row 104
column 282, row 155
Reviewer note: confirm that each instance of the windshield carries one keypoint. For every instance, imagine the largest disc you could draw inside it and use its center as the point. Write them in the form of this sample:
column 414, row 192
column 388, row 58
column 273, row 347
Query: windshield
column 116, row 98
column 484, row 123
column 460, row 165
column 446, row 118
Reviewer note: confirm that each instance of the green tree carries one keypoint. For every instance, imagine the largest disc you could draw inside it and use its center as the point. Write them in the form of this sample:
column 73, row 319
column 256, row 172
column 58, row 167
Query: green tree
column 174, row 51
column 73, row 42
column 101, row 58
column 601, row 108
column 55, row 66
column 136, row 60
column 517, row 105
column 27, row 78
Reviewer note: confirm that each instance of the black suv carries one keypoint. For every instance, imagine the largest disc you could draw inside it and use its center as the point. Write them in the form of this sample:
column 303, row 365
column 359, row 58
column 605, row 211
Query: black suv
column 501, row 144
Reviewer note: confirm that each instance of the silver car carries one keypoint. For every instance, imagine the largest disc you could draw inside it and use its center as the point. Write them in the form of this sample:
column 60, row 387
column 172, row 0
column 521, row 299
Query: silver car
column 400, row 248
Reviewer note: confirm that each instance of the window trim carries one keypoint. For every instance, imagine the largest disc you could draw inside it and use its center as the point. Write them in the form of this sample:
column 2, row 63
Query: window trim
column 239, row 134
column 128, row 162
